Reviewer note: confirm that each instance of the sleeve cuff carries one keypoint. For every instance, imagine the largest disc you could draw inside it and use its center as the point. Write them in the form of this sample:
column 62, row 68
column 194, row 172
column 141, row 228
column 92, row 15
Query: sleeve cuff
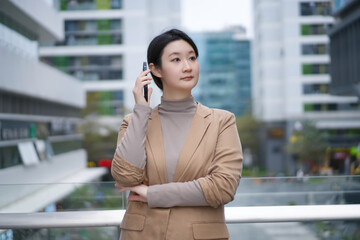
column 141, row 108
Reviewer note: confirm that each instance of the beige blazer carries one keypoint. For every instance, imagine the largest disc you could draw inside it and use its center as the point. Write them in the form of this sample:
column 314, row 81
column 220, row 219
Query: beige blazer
column 211, row 154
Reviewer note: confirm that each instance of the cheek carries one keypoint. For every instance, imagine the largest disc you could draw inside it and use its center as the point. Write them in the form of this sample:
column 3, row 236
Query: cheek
column 196, row 68
column 169, row 75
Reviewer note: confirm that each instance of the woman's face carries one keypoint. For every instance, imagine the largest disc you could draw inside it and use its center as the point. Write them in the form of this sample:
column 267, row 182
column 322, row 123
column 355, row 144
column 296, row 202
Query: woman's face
column 179, row 70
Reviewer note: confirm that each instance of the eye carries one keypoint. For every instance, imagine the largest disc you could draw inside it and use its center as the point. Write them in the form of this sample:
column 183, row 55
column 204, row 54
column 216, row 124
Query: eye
column 193, row 58
column 175, row 60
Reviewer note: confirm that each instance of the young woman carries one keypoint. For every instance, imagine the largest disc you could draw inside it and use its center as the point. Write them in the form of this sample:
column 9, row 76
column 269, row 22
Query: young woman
column 181, row 161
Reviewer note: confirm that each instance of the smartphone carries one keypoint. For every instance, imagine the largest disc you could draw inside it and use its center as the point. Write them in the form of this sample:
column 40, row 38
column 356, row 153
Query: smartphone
column 146, row 86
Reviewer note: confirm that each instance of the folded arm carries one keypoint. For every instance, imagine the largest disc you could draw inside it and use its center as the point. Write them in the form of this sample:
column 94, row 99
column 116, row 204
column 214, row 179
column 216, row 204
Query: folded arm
column 130, row 156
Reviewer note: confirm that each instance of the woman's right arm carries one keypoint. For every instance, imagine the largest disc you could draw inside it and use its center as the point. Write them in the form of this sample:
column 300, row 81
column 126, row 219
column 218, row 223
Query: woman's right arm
column 130, row 157
column 132, row 135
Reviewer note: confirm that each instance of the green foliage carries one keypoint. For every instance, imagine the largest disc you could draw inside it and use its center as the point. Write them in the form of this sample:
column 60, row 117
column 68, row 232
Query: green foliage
column 63, row 5
column 61, row 61
column 103, row 39
column 102, row 4
column 103, row 24
column 94, row 197
column 248, row 127
column 347, row 230
column 308, row 143
column 99, row 141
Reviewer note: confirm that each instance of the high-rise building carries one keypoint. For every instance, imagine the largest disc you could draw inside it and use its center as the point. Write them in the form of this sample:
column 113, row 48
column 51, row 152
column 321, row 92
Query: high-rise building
column 40, row 110
column 105, row 45
column 345, row 48
column 291, row 77
column 225, row 79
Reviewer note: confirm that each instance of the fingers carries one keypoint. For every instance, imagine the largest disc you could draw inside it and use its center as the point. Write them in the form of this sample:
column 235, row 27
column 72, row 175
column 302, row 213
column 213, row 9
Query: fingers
column 139, row 191
column 136, row 198
column 121, row 188
column 142, row 80
column 146, row 72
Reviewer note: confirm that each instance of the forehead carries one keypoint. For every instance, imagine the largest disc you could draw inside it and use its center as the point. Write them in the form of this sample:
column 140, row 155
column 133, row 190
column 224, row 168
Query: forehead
column 178, row 46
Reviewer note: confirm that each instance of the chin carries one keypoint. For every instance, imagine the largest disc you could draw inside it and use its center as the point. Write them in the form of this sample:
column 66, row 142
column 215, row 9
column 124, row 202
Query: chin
column 191, row 84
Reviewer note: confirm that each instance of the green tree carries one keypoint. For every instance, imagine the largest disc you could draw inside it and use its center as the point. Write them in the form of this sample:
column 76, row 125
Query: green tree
column 99, row 141
column 307, row 143
column 248, row 128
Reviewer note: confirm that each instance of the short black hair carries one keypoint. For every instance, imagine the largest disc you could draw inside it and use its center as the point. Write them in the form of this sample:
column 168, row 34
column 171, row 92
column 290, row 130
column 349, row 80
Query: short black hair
column 157, row 45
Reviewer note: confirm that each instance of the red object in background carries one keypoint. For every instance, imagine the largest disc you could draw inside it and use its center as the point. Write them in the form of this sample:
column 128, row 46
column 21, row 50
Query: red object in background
column 105, row 163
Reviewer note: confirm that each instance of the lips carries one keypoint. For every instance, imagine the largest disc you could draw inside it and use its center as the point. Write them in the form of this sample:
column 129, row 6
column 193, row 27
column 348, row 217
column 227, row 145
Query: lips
column 187, row 78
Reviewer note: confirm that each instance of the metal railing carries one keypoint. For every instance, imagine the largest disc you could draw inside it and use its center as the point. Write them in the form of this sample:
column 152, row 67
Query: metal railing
column 105, row 218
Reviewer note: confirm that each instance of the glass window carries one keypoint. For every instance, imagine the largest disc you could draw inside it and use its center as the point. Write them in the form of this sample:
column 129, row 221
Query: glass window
column 90, row 68
column 322, row 68
column 9, row 156
column 217, row 81
column 315, row 8
column 314, row 29
column 65, row 146
column 325, row 107
column 315, row 49
column 76, row 5
column 92, row 32
column 316, row 88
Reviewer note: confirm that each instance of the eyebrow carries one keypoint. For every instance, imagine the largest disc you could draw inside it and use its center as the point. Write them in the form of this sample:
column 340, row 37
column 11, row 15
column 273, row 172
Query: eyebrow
column 177, row 53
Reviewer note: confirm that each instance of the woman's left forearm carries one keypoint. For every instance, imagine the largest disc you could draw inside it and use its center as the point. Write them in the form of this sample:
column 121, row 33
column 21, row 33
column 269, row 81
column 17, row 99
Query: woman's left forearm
column 176, row 194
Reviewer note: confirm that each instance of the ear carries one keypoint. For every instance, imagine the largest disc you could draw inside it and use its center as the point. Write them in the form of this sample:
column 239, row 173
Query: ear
column 155, row 70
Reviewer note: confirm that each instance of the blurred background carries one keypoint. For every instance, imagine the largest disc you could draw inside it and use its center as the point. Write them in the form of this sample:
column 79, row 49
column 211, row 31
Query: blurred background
column 288, row 69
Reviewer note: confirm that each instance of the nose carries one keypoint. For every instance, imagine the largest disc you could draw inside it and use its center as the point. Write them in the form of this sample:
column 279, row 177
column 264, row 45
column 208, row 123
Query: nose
column 187, row 66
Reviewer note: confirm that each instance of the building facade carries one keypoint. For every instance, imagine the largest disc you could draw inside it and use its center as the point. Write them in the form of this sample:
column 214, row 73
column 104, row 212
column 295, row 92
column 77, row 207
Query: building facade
column 345, row 48
column 40, row 111
column 291, row 78
column 105, row 45
column 225, row 72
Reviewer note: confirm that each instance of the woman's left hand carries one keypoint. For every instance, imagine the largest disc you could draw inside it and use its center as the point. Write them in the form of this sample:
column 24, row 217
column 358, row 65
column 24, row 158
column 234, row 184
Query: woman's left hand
column 140, row 190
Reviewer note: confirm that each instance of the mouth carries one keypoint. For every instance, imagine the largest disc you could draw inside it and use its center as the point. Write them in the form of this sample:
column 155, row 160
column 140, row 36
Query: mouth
column 187, row 78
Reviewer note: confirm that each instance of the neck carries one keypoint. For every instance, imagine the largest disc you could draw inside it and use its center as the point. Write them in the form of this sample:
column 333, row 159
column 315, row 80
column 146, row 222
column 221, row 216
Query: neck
column 176, row 95
column 186, row 105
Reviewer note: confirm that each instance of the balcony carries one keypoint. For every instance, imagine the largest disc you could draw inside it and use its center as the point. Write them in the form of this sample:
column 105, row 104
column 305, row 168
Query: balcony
column 263, row 208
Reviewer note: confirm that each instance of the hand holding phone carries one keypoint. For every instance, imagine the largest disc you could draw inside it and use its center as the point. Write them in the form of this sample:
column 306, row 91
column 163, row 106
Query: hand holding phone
column 142, row 92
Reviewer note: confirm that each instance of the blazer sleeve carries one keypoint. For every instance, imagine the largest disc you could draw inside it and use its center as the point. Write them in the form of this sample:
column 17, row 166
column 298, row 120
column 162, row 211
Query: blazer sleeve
column 224, row 173
column 123, row 171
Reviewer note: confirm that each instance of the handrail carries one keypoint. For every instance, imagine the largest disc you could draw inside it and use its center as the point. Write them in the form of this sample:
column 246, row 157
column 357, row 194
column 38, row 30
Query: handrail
column 107, row 218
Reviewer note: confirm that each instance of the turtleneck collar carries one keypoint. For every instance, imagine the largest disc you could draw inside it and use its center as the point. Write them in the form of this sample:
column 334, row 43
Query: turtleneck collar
column 186, row 105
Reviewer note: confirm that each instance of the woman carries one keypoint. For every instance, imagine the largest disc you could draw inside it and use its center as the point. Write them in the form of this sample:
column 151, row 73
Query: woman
column 181, row 161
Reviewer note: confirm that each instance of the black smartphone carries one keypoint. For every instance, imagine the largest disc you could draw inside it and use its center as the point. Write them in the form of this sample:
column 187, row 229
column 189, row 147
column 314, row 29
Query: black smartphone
column 146, row 86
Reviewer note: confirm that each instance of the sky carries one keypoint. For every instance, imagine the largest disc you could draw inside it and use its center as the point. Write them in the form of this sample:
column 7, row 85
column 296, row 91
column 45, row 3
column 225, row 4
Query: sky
column 213, row 15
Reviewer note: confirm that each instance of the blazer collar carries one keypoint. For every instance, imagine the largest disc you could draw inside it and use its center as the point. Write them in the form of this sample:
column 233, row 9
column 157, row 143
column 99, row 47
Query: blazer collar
column 198, row 127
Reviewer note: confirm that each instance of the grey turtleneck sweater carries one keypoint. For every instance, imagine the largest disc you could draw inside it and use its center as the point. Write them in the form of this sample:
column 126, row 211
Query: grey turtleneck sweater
column 175, row 118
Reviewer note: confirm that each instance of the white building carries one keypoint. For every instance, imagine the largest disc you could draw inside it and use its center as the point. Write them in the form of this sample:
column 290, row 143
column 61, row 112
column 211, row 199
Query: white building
column 40, row 145
column 128, row 27
column 291, row 73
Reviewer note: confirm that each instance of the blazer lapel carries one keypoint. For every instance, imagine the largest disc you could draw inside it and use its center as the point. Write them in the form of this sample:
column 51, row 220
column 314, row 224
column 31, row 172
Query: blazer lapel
column 198, row 127
column 155, row 140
